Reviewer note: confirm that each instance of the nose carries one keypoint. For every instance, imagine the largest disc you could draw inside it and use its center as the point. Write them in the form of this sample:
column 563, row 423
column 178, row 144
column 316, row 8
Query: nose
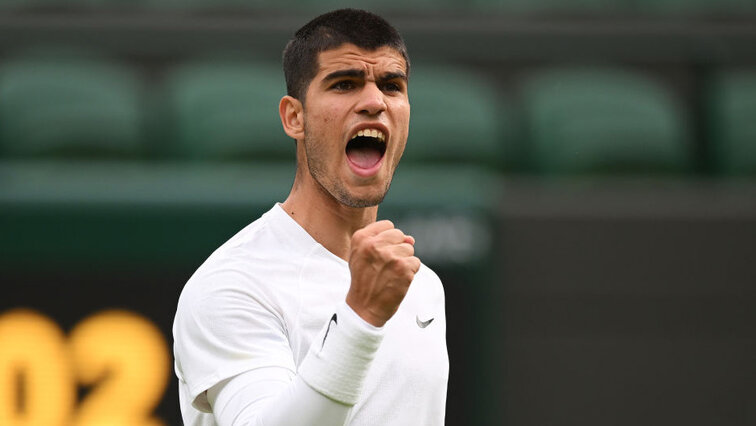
column 372, row 101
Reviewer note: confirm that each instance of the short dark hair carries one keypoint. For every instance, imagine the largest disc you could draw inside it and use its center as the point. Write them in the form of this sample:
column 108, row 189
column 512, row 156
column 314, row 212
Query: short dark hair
column 364, row 29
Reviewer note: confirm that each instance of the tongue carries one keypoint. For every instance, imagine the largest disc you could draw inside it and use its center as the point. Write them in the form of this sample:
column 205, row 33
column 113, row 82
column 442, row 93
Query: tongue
column 364, row 157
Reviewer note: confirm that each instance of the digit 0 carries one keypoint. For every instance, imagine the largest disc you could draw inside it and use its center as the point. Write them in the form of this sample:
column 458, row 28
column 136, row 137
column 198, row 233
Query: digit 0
column 125, row 358
column 36, row 385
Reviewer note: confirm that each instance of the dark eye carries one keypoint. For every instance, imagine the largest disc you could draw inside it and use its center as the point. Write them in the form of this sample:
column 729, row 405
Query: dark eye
column 343, row 85
column 391, row 87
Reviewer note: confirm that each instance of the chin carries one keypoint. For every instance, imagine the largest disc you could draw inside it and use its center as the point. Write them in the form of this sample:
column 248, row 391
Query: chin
column 354, row 195
column 359, row 200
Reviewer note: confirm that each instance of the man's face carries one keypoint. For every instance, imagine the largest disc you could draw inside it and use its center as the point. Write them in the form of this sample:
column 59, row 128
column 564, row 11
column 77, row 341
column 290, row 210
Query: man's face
column 356, row 121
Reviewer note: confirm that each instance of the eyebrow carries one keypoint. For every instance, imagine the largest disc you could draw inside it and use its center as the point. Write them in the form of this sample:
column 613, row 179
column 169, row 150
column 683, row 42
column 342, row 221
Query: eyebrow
column 357, row 73
column 392, row 76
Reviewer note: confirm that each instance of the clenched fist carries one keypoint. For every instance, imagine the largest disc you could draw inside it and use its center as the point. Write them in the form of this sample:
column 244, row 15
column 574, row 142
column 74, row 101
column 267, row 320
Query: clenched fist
column 382, row 263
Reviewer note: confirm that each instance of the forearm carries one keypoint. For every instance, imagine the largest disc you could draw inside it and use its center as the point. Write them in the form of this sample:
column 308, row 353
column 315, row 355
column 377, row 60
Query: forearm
column 328, row 384
column 266, row 397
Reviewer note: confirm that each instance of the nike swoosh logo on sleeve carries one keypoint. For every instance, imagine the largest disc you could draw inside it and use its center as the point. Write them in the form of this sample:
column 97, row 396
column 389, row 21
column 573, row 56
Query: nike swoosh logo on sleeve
column 423, row 324
column 333, row 320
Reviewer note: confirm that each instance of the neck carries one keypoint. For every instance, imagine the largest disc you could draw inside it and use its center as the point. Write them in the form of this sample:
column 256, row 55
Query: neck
column 328, row 221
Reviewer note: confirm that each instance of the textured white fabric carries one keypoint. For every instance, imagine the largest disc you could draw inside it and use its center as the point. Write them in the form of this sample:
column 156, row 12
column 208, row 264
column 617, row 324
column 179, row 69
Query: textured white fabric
column 338, row 362
column 269, row 396
column 264, row 298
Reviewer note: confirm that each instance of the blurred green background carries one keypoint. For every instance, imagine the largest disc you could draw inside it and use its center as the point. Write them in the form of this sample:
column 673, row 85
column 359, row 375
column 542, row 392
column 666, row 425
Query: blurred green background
column 581, row 174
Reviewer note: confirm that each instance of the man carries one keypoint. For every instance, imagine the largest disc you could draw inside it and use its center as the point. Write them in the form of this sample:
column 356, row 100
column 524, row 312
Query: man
column 316, row 314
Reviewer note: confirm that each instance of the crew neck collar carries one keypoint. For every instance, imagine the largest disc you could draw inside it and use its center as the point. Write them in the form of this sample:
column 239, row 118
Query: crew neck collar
column 296, row 234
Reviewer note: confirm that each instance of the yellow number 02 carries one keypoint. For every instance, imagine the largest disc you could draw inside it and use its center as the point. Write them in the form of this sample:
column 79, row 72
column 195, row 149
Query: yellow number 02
column 33, row 353
column 121, row 354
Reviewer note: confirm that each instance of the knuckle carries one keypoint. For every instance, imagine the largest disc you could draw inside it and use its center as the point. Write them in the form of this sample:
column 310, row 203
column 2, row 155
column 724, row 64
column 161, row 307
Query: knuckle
column 374, row 242
column 415, row 263
column 372, row 248
column 408, row 274
column 390, row 233
column 403, row 265
column 395, row 263
column 398, row 267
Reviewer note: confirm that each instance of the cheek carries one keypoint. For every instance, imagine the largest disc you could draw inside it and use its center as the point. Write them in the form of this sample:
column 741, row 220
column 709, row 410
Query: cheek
column 403, row 124
column 402, row 121
column 321, row 119
column 402, row 115
column 319, row 127
column 325, row 122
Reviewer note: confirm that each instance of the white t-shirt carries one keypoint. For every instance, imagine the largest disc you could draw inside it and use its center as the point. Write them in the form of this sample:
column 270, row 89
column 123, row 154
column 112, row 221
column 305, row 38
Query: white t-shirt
column 262, row 299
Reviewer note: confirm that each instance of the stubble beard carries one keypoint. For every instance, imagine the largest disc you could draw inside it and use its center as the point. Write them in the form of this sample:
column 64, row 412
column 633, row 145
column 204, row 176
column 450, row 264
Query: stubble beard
column 332, row 186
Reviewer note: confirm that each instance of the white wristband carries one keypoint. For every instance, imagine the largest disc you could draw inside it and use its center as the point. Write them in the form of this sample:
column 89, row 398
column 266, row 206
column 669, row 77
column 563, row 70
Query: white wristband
column 340, row 357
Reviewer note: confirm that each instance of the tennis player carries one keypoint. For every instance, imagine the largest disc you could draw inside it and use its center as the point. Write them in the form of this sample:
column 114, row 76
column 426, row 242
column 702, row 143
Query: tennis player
column 317, row 314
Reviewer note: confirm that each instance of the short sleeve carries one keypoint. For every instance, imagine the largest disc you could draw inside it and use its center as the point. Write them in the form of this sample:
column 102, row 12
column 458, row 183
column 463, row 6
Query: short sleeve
column 225, row 325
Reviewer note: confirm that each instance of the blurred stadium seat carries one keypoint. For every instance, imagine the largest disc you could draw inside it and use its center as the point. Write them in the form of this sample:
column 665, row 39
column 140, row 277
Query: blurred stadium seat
column 556, row 6
column 381, row 5
column 696, row 7
column 69, row 105
column 204, row 5
column 68, row 5
column 614, row 7
column 27, row 4
column 457, row 116
column 603, row 121
column 227, row 109
column 591, row 7
column 732, row 114
column 312, row 6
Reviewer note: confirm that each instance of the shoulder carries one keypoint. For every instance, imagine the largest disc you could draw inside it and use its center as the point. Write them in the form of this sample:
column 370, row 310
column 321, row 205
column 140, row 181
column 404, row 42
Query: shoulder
column 236, row 299
column 252, row 266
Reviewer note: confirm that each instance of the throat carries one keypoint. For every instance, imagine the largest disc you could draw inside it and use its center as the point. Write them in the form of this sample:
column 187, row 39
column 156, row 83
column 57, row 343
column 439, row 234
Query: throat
column 331, row 224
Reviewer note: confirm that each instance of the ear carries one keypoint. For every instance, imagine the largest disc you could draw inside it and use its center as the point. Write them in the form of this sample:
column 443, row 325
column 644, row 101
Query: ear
column 291, row 111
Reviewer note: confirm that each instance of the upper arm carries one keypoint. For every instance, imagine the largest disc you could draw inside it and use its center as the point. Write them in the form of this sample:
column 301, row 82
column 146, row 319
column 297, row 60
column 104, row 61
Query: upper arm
column 225, row 326
column 245, row 395
column 273, row 397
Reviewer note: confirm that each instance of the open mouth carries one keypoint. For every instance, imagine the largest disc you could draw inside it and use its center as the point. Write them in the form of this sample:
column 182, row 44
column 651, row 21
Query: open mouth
column 366, row 149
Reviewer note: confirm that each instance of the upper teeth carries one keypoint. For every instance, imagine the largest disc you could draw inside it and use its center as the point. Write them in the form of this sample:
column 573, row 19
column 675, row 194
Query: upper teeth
column 373, row 133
